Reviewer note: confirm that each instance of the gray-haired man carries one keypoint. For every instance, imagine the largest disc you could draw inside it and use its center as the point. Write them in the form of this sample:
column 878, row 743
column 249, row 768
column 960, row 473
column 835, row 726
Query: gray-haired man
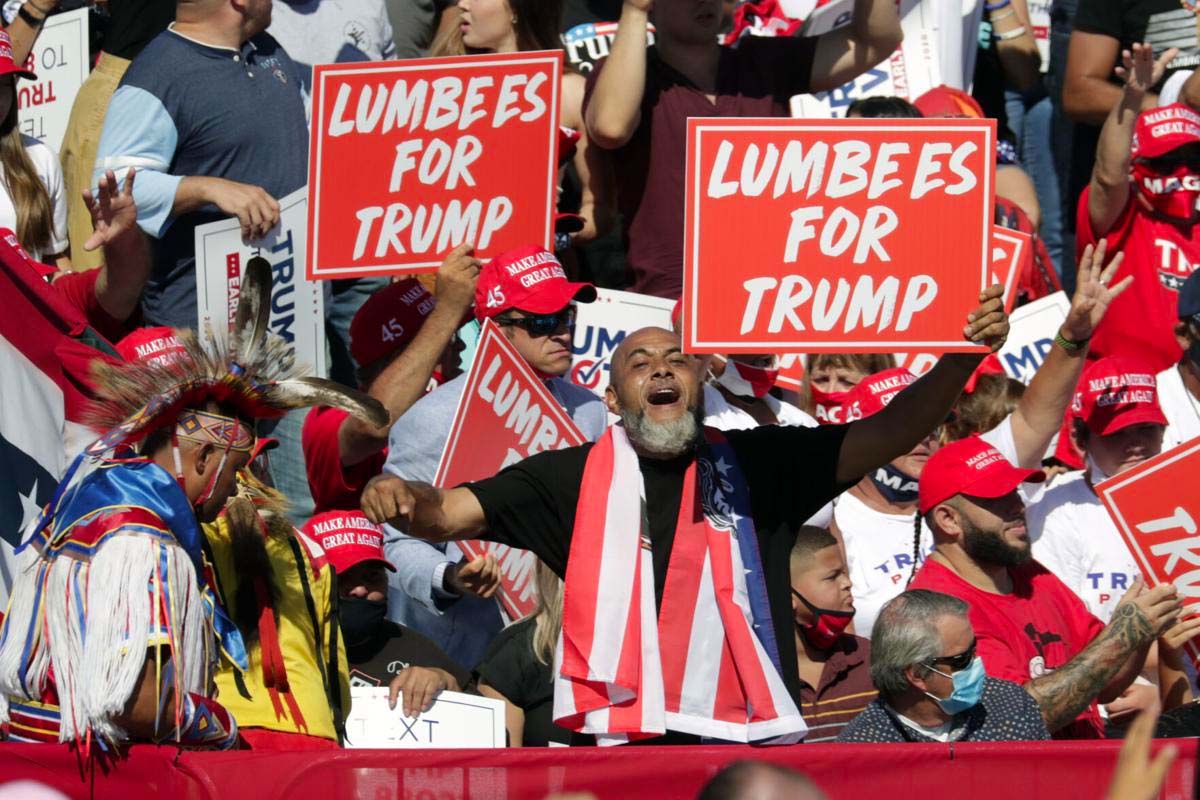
column 932, row 687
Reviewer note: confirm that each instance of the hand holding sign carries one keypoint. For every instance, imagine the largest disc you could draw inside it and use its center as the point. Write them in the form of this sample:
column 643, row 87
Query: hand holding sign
column 988, row 324
column 419, row 687
column 1093, row 295
column 456, row 278
column 256, row 210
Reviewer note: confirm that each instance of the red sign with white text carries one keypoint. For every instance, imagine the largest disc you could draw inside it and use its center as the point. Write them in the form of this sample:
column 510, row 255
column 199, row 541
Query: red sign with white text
column 836, row 235
column 1009, row 250
column 505, row 415
column 409, row 159
column 1158, row 515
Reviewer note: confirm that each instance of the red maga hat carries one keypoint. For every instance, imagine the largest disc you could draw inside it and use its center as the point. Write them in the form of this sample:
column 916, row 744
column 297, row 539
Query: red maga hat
column 529, row 278
column 1115, row 393
column 7, row 65
column 151, row 345
column 872, row 394
column 1158, row 131
column 389, row 320
column 348, row 538
column 971, row 467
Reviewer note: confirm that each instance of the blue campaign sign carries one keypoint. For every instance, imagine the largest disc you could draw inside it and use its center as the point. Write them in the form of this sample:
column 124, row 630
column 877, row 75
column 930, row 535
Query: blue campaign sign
column 1031, row 333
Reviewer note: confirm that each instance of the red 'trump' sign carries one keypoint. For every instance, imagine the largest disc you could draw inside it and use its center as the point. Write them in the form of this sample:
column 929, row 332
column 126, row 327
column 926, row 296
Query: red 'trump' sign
column 836, row 235
column 1158, row 516
column 505, row 415
column 410, row 159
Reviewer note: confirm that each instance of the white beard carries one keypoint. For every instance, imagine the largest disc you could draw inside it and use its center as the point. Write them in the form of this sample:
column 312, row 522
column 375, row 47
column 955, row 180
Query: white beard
column 664, row 439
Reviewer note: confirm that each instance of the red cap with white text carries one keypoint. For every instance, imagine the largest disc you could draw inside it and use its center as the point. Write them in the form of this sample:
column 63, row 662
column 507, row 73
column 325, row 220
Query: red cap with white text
column 158, row 346
column 1115, row 393
column 972, row 467
column 7, row 65
column 348, row 538
column 872, row 394
column 1158, row 131
column 529, row 278
column 389, row 320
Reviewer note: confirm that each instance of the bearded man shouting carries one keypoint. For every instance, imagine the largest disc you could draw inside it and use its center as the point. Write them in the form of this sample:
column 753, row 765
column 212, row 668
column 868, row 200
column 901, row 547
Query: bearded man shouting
column 674, row 541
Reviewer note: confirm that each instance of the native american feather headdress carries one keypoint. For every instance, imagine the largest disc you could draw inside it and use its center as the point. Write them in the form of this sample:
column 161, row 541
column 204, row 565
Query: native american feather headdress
column 253, row 373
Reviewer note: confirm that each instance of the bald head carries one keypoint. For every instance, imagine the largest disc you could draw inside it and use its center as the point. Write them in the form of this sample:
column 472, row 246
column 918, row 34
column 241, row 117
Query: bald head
column 640, row 340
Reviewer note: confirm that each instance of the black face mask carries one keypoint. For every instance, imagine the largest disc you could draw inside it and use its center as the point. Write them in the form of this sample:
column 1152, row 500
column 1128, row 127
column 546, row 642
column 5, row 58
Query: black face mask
column 360, row 618
column 894, row 485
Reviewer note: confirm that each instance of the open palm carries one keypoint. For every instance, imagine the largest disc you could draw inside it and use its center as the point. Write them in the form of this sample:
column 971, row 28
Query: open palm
column 113, row 210
column 1093, row 295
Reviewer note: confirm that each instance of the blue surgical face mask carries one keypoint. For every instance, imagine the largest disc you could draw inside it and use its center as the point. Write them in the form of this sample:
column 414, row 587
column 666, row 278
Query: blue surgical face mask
column 968, row 688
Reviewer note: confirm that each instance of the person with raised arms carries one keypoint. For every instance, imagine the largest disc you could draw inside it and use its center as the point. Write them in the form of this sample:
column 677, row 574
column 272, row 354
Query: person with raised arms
column 706, row 551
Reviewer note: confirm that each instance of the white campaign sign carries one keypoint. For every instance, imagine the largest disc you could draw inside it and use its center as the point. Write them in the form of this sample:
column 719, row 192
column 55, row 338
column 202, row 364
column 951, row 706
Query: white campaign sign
column 455, row 720
column 913, row 69
column 1031, row 335
column 602, row 325
column 297, row 304
column 60, row 59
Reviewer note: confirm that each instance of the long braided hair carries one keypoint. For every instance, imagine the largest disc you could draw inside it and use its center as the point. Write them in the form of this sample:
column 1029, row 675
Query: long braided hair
column 916, row 548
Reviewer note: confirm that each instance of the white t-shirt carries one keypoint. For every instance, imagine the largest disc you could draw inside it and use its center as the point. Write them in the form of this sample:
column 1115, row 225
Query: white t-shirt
column 879, row 555
column 333, row 31
column 1179, row 407
column 720, row 414
column 1074, row 538
column 45, row 163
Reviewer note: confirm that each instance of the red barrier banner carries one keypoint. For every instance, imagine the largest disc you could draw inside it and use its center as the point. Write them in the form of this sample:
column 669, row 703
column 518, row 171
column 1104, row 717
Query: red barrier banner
column 836, row 235
column 979, row 771
column 504, row 416
column 410, row 159
column 1158, row 515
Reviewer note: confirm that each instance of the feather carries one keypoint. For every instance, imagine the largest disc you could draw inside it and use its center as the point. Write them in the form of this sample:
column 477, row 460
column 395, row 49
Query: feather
column 253, row 313
column 304, row 392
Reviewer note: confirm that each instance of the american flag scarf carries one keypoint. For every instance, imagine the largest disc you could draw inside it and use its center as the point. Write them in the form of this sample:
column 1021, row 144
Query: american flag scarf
column 707, row 664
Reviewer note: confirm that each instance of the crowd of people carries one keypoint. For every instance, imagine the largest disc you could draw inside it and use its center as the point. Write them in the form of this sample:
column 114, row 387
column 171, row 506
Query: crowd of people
column 876, row 557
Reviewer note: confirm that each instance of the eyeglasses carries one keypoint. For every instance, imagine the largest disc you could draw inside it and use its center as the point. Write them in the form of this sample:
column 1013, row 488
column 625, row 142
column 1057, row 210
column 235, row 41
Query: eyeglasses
column 541, row 324
column 958, row 662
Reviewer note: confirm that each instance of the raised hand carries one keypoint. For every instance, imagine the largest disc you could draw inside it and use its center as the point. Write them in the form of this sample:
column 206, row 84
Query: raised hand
column 1140, row 70
column 113, row 210
column 1093, row 295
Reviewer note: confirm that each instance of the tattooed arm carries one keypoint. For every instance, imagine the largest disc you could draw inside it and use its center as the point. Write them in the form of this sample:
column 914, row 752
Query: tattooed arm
column 1113, row 657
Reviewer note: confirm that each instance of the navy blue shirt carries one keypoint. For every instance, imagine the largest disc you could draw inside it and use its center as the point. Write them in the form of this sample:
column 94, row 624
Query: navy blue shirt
column 190, row 109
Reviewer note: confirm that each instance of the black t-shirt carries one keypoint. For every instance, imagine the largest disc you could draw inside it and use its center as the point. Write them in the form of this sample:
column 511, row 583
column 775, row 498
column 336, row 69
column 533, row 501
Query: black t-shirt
column 511, row 668
column 133, row 23
column 1162, row 24
column 396, row 647
column 790, row 473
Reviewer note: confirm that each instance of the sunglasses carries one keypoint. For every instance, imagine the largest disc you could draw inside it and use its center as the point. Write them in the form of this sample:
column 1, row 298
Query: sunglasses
column 541, row 324
column 958, row 662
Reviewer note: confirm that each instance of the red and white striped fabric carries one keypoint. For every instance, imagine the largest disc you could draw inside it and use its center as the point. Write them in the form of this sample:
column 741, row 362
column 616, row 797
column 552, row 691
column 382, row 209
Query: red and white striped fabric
column 699, row 668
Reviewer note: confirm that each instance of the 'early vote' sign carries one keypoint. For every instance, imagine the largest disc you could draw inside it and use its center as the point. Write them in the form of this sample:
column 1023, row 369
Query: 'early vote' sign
column 297, row 304
column 836, row 235
column 1160, row 523
column 505, row 415
column 411, row 159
